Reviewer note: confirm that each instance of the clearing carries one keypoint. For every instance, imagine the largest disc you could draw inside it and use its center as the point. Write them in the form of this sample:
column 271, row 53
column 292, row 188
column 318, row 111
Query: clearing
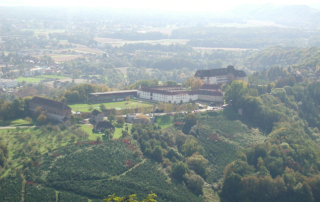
column 16, row 122
column 30, row 79
column 122, row 104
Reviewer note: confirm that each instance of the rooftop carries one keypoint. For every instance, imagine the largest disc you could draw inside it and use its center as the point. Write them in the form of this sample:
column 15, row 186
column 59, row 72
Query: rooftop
column 50, row 103
column 114, row 92
column 220, row 72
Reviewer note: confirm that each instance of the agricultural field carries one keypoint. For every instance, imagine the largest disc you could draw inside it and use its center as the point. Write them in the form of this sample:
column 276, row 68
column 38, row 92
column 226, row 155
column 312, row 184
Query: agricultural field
column 109, row 105
column 222, row 134
column 63, row 58
column 30, row 79
column 121, row 42
column 26, row 142
column 80, row 169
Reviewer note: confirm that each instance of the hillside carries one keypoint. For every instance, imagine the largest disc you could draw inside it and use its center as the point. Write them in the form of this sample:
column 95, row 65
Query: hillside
column 277, row 55
column 289, row 15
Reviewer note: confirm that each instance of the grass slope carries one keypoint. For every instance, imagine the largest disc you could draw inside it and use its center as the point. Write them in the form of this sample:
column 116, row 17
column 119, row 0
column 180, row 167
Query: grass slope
column 232, row 132
column 16, row 122
column 122, row 104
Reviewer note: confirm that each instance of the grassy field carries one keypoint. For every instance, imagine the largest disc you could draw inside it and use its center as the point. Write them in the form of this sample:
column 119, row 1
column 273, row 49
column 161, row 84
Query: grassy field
column 52, row 77
column 16, row 122
column 164, row 121
column 122, row 104
column 120, row 42
column 30, row 79
column 93, row 136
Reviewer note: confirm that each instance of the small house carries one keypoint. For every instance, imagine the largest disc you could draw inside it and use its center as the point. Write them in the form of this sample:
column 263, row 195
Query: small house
column 96, row 116
column 103, row 125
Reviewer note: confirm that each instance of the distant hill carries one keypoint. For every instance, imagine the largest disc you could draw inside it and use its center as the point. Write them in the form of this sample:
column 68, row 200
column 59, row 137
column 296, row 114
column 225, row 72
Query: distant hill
column 289, row 15
column 277, row 55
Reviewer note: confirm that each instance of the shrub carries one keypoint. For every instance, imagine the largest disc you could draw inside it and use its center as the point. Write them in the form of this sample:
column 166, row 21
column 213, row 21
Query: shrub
column 195, row 184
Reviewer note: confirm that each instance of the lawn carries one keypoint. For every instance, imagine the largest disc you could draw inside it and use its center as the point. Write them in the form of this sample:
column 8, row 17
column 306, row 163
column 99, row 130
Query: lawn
column 16, row 122
column 164, row 121
column 93, row 136
column 122, row 104
column 30, row 79
column 52, row 77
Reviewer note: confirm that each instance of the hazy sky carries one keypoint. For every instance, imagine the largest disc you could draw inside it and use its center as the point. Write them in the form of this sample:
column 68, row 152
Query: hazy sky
column 179, row 5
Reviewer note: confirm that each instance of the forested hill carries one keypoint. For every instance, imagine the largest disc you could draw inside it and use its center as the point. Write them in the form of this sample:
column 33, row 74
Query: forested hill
column 290, row 15
column 277, row 55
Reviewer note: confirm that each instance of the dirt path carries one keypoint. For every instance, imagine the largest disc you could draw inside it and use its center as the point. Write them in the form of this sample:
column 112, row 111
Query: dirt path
column 23, row 187
column 138, row 164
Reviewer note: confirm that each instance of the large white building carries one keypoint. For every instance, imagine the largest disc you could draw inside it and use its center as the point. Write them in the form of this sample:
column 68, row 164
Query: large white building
column 175, row 94
column 222, row 75
column 34, row 71
column 8, row 83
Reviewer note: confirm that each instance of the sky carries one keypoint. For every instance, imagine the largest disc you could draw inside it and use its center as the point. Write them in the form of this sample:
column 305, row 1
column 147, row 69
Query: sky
column 177, row 5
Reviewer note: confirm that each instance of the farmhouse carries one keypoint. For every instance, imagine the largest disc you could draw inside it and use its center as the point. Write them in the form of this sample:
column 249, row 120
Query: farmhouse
column 103, row 125
column 111, row 96
column 96, row 116
column 57, row 111
column 221, row 75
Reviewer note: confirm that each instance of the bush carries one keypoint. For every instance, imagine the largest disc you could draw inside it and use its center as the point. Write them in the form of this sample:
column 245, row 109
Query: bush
column 178, row 170
column 195, row 184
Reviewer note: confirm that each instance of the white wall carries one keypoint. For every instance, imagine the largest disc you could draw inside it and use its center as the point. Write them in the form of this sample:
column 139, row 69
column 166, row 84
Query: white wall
column 167, row 98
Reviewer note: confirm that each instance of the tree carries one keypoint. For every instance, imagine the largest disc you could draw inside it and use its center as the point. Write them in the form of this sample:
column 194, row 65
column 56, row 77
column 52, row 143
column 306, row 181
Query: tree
column 191, row 146
column 120, row 121
column 127, row 99
column 195, row 183
column 102, row 107
column 144, row 119
column 108, row 134
column 198, row 163
column 28, row 119
column 157, row 153
column 190, row 120
column 42, row 118
column 188, row 82
column 90, row 108
column 235, row 91
column 125, row 133
column 178, row 170
column 111, row 117
column 38, row 111
column 170, row 83
column 196, row 84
